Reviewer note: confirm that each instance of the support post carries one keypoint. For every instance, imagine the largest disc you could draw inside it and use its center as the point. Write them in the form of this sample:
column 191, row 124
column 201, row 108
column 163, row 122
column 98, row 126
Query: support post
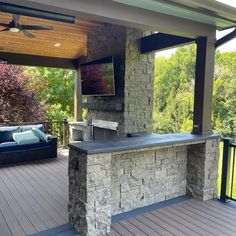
column 203, row 86
column 225, row 168
column 65, row 133
column 77, row 97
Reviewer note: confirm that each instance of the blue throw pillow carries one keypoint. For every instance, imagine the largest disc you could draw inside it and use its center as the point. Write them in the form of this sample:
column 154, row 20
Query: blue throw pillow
column 30, row 127
column 38, row 133
column 7, row 132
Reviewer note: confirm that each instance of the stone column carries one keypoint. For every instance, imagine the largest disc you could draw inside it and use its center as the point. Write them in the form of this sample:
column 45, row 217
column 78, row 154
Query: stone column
column 90, row 193
column 131, row 107
column 139, row 83
column 202, row 168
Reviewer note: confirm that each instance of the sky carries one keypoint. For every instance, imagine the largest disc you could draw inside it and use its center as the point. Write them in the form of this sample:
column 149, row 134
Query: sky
column 230, row 46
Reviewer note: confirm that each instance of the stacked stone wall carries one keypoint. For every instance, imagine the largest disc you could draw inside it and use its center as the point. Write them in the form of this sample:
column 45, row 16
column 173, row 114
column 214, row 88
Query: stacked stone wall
column 107, row 184
column 134, row 75
column 202, row 169
column 90, row 192
column 142, row 178
column 139, row 83
column 106, row 41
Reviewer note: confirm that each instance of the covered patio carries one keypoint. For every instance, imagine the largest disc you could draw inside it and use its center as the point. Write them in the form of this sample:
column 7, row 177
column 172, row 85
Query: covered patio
column 123, row 180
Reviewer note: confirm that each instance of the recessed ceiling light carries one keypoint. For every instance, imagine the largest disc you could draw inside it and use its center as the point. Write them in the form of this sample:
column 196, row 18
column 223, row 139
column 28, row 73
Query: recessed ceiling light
column 14, row 30
column 57, row 45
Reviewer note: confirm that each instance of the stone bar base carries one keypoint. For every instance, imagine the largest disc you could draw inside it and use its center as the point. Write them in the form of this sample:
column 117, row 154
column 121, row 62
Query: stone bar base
column 202, row 169
column 90, row 193
column 123, row 179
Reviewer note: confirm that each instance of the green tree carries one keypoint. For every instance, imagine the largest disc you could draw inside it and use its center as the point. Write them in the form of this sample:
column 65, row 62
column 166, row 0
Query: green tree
column 54, row 87
column 224, row 96
column 174, row 91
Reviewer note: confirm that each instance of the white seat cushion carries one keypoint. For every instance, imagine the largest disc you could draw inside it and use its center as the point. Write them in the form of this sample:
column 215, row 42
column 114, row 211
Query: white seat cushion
column 26, row 137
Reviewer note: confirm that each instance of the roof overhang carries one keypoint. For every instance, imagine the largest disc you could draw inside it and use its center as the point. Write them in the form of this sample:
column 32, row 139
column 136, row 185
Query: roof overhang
column 131, row 15
column 204, row 11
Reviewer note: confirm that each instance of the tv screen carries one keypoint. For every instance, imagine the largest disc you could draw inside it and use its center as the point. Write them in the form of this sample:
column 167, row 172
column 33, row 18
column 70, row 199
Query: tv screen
column 97, row 78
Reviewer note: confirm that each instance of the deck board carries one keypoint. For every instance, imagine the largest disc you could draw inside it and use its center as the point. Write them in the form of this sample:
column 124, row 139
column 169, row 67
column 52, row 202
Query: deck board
column 55, row 191
column 4, row 229
column 182, row 220
column 142, row 226
column 34, row 192
column 30, row 211
column 41, row 191
column 31, row 200
column 213, row 212
column 173, row 226
column 211, row 220
column 10, row 218
column 155, row 216
column 34, row 198
column 23, row 220
column 223, row 208
column 191, row 217
column 132, row 228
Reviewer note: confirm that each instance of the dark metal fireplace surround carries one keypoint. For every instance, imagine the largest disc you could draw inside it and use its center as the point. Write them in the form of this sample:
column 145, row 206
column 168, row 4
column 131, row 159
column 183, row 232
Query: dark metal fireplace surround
column 104, row 130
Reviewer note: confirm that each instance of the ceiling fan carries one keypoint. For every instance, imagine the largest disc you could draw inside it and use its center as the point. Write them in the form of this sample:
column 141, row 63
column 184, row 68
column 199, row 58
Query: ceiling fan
column 15, row 27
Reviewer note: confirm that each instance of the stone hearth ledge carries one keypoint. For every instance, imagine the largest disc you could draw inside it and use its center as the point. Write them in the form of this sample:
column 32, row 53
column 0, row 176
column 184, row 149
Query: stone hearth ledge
column 140, row 142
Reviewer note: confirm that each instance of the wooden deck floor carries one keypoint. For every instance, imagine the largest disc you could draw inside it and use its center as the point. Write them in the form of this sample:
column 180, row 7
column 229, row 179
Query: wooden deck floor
column 34, row 197
column 190, row 217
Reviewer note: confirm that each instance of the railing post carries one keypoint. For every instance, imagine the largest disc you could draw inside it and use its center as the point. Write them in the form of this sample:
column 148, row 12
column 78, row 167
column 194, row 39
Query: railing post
column 225, row 167
column 7, row 122
column 65, row 127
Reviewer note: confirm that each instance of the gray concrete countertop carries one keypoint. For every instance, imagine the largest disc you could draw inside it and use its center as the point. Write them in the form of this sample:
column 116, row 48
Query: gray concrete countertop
column 139, row 142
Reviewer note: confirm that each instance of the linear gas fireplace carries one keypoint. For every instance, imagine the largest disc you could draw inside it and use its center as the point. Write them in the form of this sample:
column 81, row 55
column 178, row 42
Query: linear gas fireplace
column 104, row 130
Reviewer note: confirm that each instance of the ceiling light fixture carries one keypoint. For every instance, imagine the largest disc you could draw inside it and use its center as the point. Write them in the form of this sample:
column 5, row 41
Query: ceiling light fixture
column 14, row 30
column 3, row 61
column 57, row 45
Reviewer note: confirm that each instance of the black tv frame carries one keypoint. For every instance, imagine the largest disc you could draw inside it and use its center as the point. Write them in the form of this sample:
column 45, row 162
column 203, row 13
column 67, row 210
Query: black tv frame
column 104, row 60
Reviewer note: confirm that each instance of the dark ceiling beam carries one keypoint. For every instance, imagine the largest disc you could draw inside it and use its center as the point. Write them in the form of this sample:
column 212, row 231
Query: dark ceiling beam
column 30, row 60
column 225, row 39
column 27, row 11
column 160, row 41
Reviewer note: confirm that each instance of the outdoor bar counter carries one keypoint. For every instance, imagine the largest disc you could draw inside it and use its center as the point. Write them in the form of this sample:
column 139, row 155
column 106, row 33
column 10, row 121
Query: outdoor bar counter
column 110, row 177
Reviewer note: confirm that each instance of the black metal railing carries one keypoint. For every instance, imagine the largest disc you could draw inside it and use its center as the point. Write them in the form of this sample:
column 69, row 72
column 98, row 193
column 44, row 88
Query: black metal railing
column 228, row 176
column 58, row 128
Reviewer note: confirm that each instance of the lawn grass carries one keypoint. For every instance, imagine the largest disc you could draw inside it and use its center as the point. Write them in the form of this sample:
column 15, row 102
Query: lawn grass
column 229, row 182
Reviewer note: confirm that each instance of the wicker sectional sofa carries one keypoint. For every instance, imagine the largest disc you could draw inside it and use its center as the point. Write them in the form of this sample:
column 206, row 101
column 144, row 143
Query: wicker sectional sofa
column 11, row 152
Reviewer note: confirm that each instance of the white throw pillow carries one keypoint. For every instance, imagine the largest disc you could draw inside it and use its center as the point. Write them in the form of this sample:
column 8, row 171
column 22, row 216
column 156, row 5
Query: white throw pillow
column 26, row 137
column 38, row 133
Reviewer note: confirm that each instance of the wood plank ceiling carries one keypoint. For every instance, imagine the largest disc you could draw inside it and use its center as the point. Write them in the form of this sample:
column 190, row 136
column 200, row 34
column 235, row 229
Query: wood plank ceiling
column 72, row 37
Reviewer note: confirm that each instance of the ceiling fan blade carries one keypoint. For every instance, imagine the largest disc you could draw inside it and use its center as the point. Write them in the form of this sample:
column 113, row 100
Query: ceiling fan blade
column 35, row 27
column 16, row 19
column 4, row 25
column 6, row 29
column 27, row 34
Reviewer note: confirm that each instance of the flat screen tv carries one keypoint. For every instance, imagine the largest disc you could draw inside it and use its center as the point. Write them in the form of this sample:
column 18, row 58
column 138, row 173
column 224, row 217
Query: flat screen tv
column 97, row 77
